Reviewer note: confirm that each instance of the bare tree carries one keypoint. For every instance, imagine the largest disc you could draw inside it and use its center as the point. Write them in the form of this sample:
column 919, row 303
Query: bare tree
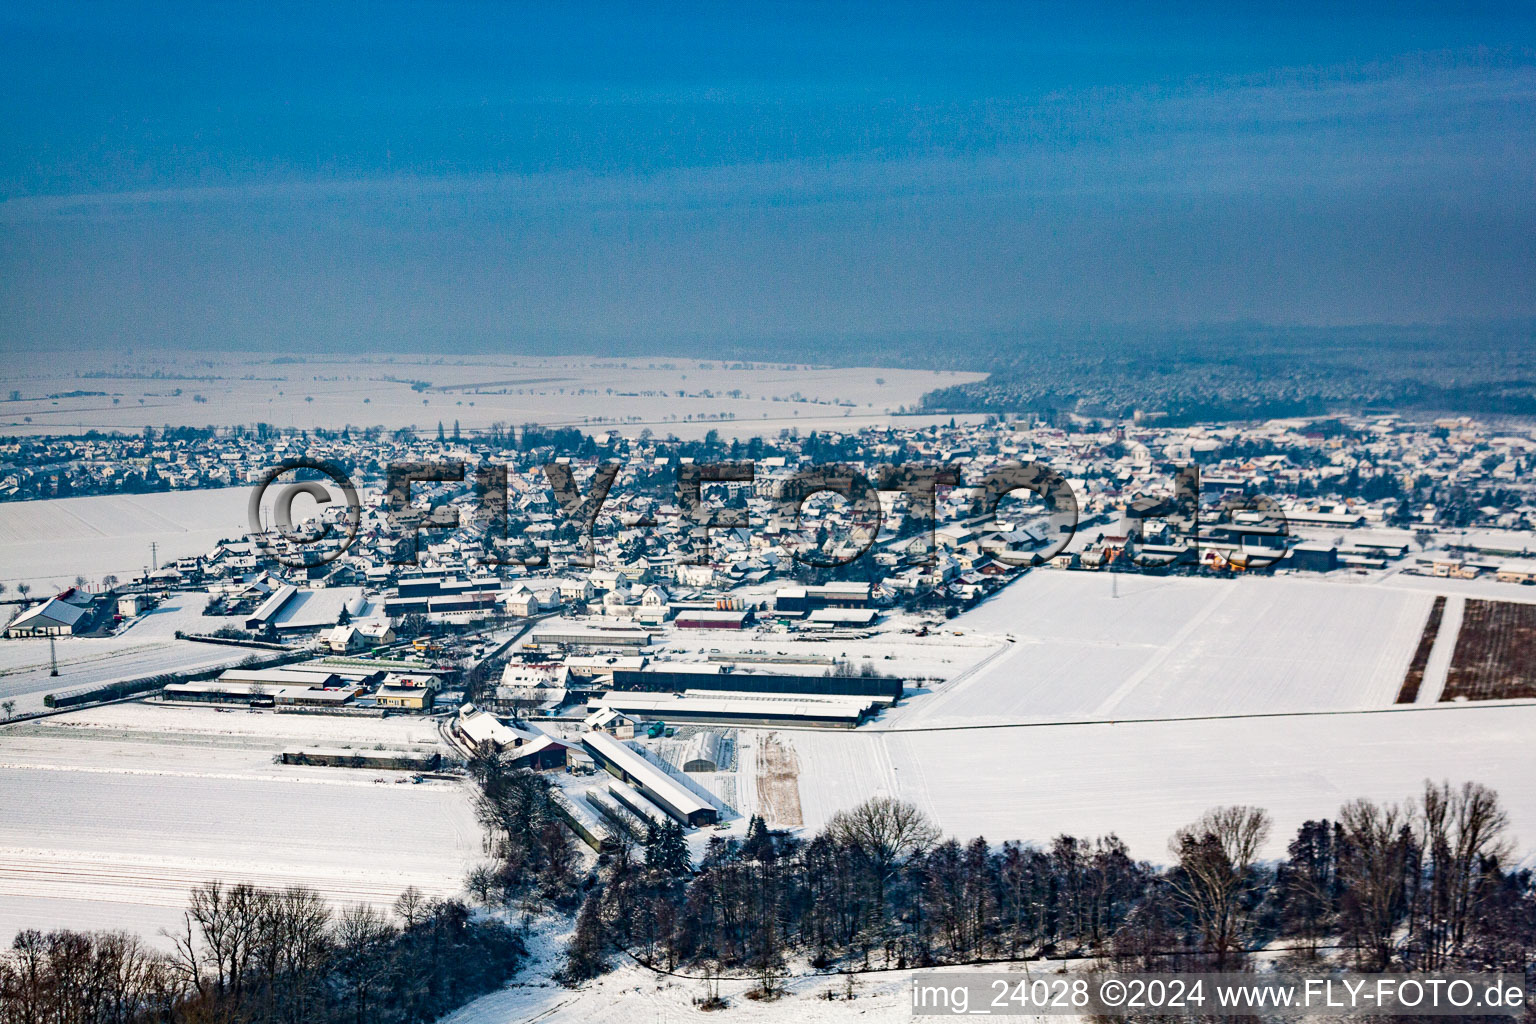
column 65, row 976
column 884, row 831
column 1461, row 835
column 1216, row 857
column 482, row 883
column 411, row 907
column 362, row 936
column 1374, row 869
column 223, row 926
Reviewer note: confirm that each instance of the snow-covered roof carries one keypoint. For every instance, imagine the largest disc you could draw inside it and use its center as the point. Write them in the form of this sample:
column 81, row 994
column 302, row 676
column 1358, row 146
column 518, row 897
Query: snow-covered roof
column 50, row 612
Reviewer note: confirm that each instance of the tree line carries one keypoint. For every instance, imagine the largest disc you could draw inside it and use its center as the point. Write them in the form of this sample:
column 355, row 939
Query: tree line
column 245, row 955
column 1429, row 883
column 1426, row 884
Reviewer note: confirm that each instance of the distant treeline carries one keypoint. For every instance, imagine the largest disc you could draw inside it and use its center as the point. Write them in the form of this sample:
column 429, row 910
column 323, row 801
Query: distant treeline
column 1243, row 372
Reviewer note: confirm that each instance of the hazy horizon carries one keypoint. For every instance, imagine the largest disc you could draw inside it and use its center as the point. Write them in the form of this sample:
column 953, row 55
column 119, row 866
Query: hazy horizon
column 470, row 178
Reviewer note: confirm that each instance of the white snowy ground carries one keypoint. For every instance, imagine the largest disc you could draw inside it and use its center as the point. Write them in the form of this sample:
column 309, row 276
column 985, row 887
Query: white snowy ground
column 630, row 994
column 1132, row 704
column 1088, row 703
column 146, row 647
column 1089, row 646
column 49, row 543
column 671, row 394
column 1143, row 780
column 109, row 816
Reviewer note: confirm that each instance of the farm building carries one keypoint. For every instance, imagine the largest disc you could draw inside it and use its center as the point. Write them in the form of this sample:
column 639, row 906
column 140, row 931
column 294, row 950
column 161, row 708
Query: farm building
column 599, row 668
column 628, row 764
column 702, row 753
column 642, row 806
column 394, row 760
column 576, row 636
column 474, row 728
column 357, row 635
column 290, row 609
column 713, row 619
column 302, row 694
column 827, row 618
column 525, row 682
column 804, row 600
column 444, row 597
column 603, row 802
column 677, row 676
column 1516, row 570
column 129, row 605
column 54, row 617
column 713, row 706
column 312, row 674
column 611, row 722
column 477, row 727
column 1313, row 557
column 1306, row 517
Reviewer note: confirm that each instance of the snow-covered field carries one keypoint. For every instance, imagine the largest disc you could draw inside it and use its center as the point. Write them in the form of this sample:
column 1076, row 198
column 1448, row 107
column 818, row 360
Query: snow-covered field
column 1071, row 702
column 1145, row 779
column 630, row 994
column 109, row 816
column 670, row 395
column 1094, row 646
column 49, row 543
column 1092, row 704
column 147, row 646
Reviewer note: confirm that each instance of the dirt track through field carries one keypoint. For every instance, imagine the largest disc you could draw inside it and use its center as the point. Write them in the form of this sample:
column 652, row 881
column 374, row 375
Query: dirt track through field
column 778, row 782
column 1415, row 677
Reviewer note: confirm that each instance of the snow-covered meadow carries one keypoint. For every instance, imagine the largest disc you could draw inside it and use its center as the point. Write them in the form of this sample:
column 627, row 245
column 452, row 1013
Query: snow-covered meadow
column 688, row 397
column 48, row 543
column 1090, row 704
column 108, row 816
column 1094, row 646
column 1145, row 779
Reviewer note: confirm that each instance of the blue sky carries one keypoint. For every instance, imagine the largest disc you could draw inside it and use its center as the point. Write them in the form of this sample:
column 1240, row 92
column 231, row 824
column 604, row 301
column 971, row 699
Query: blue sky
column 472, row 175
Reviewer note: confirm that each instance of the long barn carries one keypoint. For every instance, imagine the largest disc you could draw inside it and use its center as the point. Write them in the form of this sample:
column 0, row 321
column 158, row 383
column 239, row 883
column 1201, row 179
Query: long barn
column 629, row 764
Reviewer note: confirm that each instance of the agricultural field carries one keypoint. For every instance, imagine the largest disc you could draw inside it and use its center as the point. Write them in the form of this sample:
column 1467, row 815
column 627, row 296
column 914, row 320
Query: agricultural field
column 1089, row 646
column 1143, row 780
column 685, row 397
column 1495, row 655
column 1414, row 680
column 48, row 543
column 1088, row 704
column 129, row 806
